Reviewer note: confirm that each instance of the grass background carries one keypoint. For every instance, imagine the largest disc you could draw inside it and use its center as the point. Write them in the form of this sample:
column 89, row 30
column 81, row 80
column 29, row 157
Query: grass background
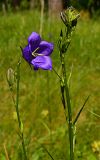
column 40, row 100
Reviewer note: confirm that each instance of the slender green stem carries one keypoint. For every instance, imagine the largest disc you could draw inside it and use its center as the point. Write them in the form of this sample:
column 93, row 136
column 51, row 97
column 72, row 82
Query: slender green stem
column 70, row 124
column 66, row 89
column 17, row 94
column 17, row 110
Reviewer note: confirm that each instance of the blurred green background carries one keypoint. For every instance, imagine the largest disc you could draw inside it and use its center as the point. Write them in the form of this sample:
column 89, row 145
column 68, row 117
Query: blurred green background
column 40, row 99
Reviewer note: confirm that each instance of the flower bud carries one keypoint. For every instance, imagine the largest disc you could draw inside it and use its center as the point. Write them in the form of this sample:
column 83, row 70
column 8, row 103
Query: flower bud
column 69, row 17
column 10, row 76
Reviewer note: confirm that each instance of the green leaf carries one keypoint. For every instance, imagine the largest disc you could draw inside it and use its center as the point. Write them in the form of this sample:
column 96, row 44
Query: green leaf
column 80, row 111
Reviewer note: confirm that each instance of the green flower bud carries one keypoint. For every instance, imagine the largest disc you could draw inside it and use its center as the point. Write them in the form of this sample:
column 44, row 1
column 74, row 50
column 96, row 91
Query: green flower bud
column 10, row 77
column 69, row 17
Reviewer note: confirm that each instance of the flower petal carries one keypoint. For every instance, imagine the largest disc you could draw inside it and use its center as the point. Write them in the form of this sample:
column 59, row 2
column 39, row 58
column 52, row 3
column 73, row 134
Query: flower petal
column 43, row 62
column 34, row 40
column 27, row 54
column 45, row 48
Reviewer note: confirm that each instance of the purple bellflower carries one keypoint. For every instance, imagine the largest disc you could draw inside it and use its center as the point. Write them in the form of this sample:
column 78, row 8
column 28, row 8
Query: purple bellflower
column 37, row 52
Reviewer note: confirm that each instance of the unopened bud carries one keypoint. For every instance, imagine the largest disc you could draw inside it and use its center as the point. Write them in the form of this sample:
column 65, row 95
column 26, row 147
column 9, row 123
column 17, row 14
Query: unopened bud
column 10, row 76
column 69, row 17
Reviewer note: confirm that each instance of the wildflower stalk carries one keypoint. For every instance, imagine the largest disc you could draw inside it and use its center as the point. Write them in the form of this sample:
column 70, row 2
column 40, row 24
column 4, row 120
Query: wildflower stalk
column 66, row 90
column 69, row 18
column 67, row 102
column 21, row 135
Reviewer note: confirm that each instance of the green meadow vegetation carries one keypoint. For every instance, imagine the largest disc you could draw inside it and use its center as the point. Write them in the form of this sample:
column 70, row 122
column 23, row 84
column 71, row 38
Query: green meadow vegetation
column 41, row 108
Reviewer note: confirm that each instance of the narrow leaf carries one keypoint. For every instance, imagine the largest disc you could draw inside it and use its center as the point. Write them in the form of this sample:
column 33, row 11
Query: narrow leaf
column 80, row 110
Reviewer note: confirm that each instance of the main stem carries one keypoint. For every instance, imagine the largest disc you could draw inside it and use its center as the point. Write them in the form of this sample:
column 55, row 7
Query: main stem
column 70, row 124
column 17, row 110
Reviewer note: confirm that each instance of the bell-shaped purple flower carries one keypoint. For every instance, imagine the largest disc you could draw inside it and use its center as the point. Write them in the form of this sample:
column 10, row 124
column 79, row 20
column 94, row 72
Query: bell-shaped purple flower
column 37, row 52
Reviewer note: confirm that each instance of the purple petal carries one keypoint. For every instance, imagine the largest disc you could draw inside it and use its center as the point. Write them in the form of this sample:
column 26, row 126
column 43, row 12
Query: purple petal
column 45, row 48
column 34, row 40
column 43, row 62
column 27, row 54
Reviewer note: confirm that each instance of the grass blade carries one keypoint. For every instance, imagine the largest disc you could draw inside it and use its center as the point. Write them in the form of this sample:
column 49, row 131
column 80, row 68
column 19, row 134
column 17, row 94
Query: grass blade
column 95, row 114
column 48, row 152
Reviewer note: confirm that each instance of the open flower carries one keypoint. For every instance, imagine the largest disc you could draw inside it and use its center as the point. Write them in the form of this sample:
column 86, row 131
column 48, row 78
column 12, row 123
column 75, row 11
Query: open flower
column 37, row 52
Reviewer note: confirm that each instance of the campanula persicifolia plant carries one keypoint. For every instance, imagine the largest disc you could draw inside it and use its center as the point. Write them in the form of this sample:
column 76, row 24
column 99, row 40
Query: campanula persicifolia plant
column 37, row 53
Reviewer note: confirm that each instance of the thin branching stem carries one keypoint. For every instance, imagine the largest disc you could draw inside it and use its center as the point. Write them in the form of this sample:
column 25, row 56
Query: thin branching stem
column 17, row 110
